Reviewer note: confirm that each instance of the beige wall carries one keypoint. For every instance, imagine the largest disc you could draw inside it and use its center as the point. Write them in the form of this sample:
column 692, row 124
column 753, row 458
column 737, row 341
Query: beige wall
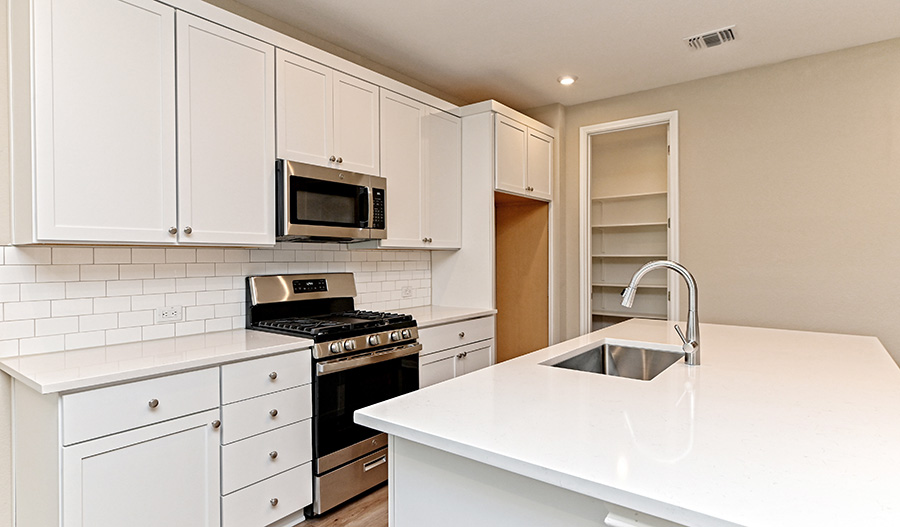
column 790, row 191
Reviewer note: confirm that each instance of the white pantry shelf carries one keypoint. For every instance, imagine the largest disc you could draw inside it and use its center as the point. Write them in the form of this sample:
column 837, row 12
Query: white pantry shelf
column 629, row 196
column 641, row 286
column 628, row 256
column 628, row 314
column 626, row 225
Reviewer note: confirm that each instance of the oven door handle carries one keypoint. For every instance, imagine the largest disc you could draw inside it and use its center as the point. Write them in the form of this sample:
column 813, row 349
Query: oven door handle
column 336, row 365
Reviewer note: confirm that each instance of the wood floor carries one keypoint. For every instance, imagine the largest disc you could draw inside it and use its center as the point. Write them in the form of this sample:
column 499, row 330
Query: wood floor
column 370, row 510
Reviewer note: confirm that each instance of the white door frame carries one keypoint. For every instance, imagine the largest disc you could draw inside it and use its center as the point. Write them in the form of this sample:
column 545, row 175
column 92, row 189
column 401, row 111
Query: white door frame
column 584, row 188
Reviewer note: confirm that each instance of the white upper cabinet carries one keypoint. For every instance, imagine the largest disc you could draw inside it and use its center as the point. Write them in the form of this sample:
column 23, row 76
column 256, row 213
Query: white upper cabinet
column 104, row 122
column 325, row 117
column 524, row 159
column 420, row 157
column 226, row 139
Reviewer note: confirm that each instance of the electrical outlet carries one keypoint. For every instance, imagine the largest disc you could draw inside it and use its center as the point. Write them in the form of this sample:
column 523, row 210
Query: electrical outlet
column 406, row 291
column 168, row 314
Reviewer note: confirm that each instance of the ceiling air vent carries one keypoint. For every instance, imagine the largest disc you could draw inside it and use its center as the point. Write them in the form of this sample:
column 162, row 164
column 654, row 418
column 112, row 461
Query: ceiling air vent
column 711, row 39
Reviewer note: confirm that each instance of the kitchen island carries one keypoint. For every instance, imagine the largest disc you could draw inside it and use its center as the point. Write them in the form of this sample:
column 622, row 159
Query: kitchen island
column 775, row 427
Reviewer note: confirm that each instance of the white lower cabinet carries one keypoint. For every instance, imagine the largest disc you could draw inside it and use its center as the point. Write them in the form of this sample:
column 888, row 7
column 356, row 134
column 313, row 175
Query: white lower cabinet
column 153, row 453
column 164, row 474
column 451, row 350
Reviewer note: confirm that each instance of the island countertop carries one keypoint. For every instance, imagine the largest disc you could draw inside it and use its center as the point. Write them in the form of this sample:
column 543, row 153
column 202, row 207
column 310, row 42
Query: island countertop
column 775, row 427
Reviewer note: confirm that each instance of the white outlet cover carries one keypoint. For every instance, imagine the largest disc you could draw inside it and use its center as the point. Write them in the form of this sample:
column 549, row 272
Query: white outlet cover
column 406, row 291
column 169, row 314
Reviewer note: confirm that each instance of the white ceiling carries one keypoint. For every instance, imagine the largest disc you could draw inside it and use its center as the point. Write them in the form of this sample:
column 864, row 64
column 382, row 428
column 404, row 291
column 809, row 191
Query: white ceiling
column 514, row 50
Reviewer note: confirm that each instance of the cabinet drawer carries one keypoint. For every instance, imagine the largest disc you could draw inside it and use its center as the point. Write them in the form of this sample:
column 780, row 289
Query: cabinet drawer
column 259, row 457
column 269, row 500
column 104, row 411
column 255, row 416
column 251, row 378
column 456, row 334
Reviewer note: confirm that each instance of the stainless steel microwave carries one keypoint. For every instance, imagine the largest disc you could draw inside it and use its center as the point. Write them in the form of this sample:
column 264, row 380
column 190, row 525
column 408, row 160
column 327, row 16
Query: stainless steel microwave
column 316, row 203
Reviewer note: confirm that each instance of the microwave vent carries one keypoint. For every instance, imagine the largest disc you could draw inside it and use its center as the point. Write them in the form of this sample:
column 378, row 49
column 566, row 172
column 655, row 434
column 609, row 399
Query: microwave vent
column 711, row 39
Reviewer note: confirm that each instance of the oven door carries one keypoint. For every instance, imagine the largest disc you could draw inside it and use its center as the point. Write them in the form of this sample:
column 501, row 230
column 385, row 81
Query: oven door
column 321, row 202
column 344, row 385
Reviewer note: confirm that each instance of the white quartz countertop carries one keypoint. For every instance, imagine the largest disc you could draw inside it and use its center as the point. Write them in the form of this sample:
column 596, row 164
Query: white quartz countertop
column 427, row 316
column 774, row 428
column 91, row 367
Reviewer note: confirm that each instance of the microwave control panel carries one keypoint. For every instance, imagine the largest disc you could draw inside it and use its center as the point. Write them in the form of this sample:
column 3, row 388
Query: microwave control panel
column 378, row 208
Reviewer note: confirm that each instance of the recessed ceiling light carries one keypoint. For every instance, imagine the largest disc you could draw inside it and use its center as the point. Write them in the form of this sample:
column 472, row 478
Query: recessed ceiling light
column 566, row 80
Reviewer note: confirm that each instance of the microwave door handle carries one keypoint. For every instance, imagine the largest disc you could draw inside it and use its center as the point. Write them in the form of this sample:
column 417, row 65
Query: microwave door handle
column 363, row 198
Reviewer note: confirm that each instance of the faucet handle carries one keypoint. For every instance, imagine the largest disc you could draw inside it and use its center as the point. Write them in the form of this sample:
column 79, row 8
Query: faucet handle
column 687, row 347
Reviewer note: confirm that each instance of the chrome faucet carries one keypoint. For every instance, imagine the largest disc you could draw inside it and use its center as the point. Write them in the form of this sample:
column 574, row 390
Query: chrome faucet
column 691, row 345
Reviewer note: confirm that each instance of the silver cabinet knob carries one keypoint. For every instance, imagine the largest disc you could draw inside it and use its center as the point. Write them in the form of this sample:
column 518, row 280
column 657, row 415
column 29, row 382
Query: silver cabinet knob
column 274, row 502
column 216, row 424
column 153, row 403
column 188, row 230
column 459, row 355
column 462, row 334
column 173, row 230
column 424, row 240
column 430, row 240
column 273, row 375
column 339, row 160
column 332, row 159
column 273, row 454
column 273, row 412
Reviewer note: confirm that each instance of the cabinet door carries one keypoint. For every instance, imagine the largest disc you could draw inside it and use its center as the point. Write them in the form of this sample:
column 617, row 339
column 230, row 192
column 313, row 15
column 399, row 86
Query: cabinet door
column 164, row 474
column 540, row 164
column 226, row 135
column 434, row 371
column 304, row 102
column 442, row 151
column 477, row 358
column 401, row 135
column 104, row 95
column 511, row 143
column 356, row 124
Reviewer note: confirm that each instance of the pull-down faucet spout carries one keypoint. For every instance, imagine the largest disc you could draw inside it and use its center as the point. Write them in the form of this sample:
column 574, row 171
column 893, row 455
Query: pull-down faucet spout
column 691, row 342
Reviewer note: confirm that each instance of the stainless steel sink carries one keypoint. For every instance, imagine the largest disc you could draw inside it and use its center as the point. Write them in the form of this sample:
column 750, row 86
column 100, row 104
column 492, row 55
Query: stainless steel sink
column 622, row 361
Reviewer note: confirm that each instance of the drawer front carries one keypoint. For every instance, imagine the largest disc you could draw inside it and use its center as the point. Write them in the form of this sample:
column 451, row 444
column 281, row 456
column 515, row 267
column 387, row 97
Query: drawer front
column 438, row 338
column 270, row 500
column 261, row 414
column 252, row 378
column 259, row 457
column 104, row 411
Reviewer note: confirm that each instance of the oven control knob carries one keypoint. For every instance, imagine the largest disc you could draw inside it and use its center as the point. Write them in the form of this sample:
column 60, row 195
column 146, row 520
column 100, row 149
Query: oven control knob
column 406, row 334
column 395, row 336
column 349, row 345
column 374, row 340
column 336, row 347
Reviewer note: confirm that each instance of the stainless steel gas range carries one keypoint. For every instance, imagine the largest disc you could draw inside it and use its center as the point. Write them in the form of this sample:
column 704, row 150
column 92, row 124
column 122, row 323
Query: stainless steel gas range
column 360, row 358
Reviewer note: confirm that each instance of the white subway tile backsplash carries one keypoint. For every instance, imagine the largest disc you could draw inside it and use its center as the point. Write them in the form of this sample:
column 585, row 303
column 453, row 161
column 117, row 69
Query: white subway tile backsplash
column 37, row 291
column 26, row 310
column 112, row 304
column 135, row 271
column 88, row 339
column 17, row 274
column 26, row 255
column 85, row 289
column 65, row 308
column 42, row 344
column 99, row 272
column 112, row 255
column 140, row 302
column 148, row 256
column 136, row 318
column 96, row 322
column 54, row 298
column 73, row 255
column 55, row 326
column 17, row 329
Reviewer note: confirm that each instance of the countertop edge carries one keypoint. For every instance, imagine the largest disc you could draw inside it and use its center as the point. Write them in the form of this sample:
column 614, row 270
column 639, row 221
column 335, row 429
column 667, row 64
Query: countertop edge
column 101, row 380
column 582, row 486
column 457, row 314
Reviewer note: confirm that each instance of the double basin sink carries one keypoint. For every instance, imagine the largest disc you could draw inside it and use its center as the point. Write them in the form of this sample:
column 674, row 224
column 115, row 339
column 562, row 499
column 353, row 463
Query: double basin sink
column 621, row 360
